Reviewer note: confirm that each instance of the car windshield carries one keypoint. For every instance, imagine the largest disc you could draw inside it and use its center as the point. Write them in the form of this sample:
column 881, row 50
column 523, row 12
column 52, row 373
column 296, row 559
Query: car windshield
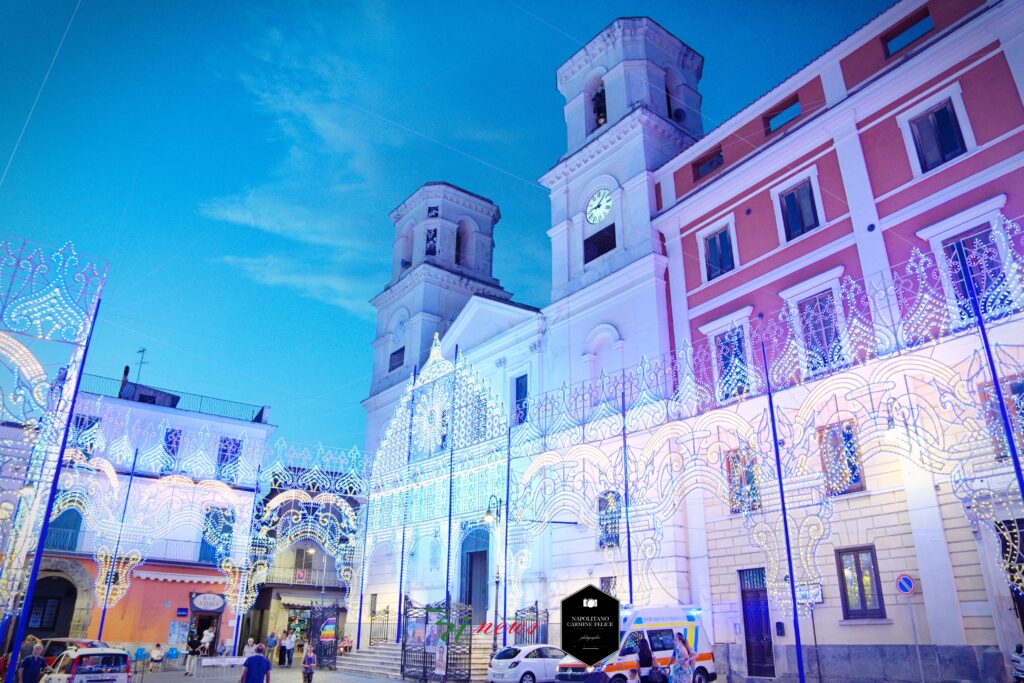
column 507, row 653
column 107, row 663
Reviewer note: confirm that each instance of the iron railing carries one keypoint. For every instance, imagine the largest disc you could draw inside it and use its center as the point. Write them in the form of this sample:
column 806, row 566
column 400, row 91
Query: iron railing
column 194, row 403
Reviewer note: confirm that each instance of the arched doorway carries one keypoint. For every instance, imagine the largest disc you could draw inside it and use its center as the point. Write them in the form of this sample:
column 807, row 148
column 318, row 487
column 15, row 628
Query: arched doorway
column 53, row 608
column 473, row 573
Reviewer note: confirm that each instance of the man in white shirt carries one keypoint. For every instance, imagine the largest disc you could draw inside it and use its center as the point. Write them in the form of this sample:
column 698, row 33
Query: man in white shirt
column 250, row 648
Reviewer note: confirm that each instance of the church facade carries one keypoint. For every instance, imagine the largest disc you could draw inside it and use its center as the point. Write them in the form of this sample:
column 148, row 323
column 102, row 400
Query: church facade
column 781, row 365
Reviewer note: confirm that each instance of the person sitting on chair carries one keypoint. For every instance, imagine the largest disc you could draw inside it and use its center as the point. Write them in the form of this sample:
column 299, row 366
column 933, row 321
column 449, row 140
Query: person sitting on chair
column 156, row 656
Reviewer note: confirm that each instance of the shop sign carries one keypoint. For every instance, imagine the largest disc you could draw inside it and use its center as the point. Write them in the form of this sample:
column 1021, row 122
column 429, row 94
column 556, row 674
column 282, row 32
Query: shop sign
column 207, row 602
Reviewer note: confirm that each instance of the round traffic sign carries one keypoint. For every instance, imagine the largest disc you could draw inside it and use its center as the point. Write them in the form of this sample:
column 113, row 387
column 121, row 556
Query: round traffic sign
column 905, row 584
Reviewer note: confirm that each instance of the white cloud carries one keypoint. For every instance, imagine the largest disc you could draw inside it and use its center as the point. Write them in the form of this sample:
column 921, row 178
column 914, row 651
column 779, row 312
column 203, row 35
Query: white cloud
column 326, row 283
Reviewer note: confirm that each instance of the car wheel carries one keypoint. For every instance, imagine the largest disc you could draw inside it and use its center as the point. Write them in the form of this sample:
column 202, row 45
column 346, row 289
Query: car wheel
column 528, row 678
column 700, row 676
column 619, row 679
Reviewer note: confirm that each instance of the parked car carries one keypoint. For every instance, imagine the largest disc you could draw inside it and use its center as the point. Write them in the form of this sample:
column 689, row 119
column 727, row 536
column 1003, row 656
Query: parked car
column 524, row 664
column 658, row 626
column 90, row 665
column 54, row 647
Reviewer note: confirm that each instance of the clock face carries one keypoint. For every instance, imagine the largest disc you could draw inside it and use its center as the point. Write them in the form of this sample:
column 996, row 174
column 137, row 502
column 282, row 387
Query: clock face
column 599, row 206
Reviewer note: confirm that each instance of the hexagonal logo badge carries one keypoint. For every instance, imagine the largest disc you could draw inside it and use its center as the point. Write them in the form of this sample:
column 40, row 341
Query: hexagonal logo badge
column 590, row 625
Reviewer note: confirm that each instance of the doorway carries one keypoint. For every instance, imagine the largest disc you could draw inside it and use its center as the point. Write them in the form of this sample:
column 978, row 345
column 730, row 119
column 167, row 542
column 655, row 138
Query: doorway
column 200, row 621
column 757, row 626
column 53, row 607
column 473, row 574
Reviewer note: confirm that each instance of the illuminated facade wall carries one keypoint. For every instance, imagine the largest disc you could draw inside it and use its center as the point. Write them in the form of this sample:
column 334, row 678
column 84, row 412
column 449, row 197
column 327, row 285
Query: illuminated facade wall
column 836, row 220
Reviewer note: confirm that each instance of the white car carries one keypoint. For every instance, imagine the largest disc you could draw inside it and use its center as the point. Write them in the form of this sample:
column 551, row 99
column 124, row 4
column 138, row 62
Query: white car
column 524, row 664
column 90, row 665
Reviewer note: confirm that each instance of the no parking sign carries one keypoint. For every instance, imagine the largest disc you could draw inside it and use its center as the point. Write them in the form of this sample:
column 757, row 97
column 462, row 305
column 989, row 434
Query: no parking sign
column 906, row 585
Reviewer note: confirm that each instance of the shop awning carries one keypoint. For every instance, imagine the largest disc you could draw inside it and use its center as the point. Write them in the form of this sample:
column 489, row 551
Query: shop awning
column 298, row 600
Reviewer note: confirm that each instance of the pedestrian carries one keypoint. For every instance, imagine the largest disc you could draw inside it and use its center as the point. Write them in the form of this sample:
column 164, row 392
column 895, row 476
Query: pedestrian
column 29, row 643
column 291, row 648
column 31, row 668
column 156, row 656
column 644, row 656
column 282, row 650
column 682, row 661
column 195, row 646
column 222, row 649
column 256, row 669
column 250, row 648
column 308, row 665
column 271, row 645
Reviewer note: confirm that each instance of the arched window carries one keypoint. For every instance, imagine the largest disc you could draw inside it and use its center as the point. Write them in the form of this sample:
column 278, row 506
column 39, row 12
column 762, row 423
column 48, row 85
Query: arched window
column 595, row 102
column 609, row 516
column 458, row 247
column 407, row 241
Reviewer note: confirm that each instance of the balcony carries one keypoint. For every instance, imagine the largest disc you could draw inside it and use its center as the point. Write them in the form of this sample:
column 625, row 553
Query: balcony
column 312, row 578
column 180, row 400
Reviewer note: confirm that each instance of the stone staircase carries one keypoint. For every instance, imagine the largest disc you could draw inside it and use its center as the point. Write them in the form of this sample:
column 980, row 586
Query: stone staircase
column 379, row 660
column 386, row 660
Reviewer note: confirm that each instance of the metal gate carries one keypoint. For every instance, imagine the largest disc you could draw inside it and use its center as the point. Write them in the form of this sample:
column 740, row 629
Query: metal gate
column 323, row 633
column 436, row 641
column 531, row 625
column 382, row 629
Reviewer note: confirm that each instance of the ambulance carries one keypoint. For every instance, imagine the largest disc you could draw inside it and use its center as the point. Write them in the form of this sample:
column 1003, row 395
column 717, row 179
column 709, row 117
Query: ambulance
column 658, row 625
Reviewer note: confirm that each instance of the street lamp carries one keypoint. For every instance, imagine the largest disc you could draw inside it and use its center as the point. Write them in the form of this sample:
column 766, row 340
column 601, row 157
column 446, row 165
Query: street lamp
column 494, row 641
column 493, row 513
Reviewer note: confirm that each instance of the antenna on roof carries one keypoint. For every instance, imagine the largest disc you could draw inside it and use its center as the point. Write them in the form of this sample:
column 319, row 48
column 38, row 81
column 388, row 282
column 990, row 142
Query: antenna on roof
column 142, row 361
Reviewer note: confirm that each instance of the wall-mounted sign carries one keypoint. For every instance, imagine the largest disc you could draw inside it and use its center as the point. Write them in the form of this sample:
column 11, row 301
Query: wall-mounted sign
column 207, row 602
column 182, row 612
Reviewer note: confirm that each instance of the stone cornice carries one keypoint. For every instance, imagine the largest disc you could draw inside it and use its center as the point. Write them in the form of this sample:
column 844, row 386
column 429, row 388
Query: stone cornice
column 426, row 272
column 630, row 28
column 641, row 116
column 447, row 193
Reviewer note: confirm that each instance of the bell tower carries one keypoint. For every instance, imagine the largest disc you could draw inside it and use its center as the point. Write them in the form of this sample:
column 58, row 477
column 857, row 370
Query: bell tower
column 442, row 255
column 631, row 105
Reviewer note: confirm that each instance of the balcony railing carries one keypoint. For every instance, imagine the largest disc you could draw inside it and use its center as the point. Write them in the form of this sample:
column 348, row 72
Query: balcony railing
column 314, row 578
column 195, row 403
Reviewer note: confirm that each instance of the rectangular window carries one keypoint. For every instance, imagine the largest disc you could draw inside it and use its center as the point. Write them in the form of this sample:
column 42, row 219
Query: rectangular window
column 976, row 256
column 172, row 442
column 599, row 244
column 840, row 458
column 707, row 164
column 859, row 583
column 780, row 117
column 718, row 254
column 937, row 136
column 44, row 614
column 741, row 472
column 217, row 525
column 431, row 244
column 609, row 513
column 799, row 213
column 731, row 359
column 914, row 27
column 608, row 585
column 521, row 390
column 661, row 639
column 823, row 346
column 373, row 603
column 228, row 453
column 396, row 360
column 84, row 429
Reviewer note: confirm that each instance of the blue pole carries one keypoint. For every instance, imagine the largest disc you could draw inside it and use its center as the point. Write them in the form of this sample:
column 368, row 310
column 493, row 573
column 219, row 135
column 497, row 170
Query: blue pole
column 625, row 477
column 451, row 490
column 245, row 572
column 405, row 512
column 30, row 588
column 117, row 546
column 362, row 570
column 782, row 499
column 508, row 520
column 1004, row 415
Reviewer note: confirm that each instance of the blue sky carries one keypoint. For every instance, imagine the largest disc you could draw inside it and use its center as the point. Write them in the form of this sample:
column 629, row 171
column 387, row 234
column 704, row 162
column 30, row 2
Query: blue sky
column 235, row 162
